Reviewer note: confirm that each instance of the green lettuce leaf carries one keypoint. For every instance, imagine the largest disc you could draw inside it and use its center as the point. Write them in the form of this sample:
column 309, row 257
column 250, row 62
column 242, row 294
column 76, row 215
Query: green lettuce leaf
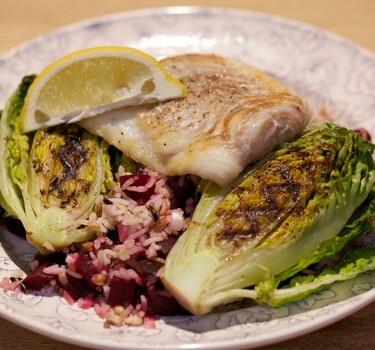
column 351, row 264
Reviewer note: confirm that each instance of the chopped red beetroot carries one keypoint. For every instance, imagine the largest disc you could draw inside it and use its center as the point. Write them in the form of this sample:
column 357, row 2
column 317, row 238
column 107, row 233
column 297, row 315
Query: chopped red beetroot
column 113, row 235
column 50, row 259
column 139, row 255
column 166, row 246
column 122, row 292
column 159, row 303
column 37, row 279
column 146, row 269
column 137, row 190
column 76, row 287
column 182, row 191
column 364, row 134
column 87, row 269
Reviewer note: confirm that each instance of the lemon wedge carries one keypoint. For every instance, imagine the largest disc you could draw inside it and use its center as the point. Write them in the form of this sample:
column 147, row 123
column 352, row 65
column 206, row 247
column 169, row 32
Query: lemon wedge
column 92, row 81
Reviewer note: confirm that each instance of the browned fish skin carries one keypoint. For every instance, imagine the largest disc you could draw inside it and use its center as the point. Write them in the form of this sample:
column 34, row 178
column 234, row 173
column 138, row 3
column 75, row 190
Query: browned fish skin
column 233, row 115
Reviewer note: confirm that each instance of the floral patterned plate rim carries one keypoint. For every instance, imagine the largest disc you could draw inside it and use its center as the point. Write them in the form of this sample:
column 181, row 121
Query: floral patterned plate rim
column 329, row 71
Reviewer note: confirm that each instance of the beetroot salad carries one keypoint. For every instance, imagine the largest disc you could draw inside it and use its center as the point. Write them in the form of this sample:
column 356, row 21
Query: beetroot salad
column 118, row 273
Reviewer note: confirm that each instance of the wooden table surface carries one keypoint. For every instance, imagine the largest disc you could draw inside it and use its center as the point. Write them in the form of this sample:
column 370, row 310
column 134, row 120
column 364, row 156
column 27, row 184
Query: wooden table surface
column 21, row 20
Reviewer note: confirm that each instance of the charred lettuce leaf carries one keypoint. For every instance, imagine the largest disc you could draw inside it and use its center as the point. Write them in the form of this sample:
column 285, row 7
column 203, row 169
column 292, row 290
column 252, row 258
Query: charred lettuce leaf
column 281, row 215
column 50, row 179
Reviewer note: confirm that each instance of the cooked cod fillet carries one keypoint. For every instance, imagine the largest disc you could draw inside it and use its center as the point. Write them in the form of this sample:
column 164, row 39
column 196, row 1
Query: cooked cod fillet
column 233, row 115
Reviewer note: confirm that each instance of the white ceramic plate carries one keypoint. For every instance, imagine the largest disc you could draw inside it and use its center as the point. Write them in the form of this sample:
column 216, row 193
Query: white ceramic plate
column 329, row 71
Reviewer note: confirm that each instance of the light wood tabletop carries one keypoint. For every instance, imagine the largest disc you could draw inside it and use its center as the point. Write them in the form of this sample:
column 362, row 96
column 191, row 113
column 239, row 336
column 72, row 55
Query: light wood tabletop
column 21, row 20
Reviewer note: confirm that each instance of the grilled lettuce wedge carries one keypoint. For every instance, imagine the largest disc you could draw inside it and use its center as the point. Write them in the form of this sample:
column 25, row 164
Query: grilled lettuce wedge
column 300, row 204
column 50, row 179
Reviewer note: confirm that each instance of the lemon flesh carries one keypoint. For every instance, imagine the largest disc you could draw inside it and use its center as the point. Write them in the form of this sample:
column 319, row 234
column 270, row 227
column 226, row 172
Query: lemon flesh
column 92, row 81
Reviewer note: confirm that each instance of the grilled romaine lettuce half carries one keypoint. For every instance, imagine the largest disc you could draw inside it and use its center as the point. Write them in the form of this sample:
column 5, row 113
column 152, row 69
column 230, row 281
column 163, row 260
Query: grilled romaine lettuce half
column 300, row 204
column 50, row 179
